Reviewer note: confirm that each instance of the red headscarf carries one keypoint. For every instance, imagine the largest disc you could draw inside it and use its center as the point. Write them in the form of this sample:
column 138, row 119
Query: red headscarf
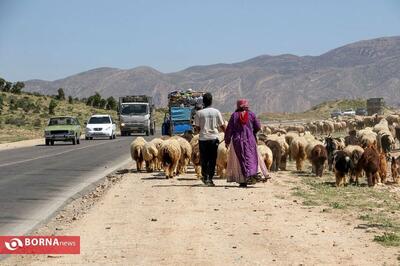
column 243, row 107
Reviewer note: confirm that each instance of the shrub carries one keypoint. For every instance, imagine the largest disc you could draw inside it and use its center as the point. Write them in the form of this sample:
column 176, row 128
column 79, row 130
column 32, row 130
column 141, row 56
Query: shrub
column 17, row 121
column 37, row 122
column 52, row 106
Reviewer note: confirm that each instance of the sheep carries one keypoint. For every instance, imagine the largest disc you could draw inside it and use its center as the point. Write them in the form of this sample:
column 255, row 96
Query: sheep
column 195, row 158
column 367, row 137
column 351, row 139
column 276, row 154
column 369, row 162
column 385, row 141
column 222, row 160
column 288, row 138
column 395, row 169
column 331, row 147
column 328, row 127
column 150, row 154
column 298, row 151
column 186, row 154
column 382, row 125
column 266, row 155
column 157, row 142
column 317, row 155
column 284, row 147
column 354, row 152
column 393, row 118
column 342, row 165
column 170, row 156
column 382, row 171
column 137, row 152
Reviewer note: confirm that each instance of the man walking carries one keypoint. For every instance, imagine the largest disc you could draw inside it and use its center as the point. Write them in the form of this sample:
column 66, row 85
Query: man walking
column 208, row 121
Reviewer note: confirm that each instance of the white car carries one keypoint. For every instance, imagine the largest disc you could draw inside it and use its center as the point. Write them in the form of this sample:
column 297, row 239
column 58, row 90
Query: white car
column 99, row 126
column 349, row 112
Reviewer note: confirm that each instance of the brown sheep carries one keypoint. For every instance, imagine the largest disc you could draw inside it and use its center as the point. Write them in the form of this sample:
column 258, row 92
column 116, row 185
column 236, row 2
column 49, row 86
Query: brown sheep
column 318, row 158
column 170, row 156
column 382, row 167
column 395, row 168
column 298, row 151
column 369, row 162
column 136, row 148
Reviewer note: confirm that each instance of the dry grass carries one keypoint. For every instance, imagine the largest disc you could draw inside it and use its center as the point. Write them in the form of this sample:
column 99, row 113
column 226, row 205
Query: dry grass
column 377, row 207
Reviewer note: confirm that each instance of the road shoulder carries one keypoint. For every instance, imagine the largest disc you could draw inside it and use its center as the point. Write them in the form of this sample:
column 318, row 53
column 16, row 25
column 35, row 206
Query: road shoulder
column 145, row 219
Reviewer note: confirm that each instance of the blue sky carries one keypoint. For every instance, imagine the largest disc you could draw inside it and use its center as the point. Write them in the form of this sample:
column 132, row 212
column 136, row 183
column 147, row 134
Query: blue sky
column 51, row 39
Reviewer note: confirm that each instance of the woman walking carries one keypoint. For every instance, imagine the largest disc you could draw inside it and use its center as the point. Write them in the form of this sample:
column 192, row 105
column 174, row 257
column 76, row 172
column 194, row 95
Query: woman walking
column 240, row 138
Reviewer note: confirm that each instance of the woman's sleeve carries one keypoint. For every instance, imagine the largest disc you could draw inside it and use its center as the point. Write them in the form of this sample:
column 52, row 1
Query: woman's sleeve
column 256, row 124
column 228, row 131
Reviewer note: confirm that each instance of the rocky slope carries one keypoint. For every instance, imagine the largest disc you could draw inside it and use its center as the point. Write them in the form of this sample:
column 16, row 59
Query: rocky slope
column 283, row 83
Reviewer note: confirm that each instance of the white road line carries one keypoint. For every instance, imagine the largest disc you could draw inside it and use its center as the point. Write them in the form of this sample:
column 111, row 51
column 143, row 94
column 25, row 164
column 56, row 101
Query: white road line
column 54, row 154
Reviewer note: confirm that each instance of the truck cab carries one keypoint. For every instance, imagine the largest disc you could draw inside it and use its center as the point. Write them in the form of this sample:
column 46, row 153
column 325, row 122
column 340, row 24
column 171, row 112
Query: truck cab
column 136, row 115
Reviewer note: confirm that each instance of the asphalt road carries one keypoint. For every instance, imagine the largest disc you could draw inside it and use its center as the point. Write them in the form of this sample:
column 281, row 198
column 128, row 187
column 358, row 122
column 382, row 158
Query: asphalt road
column 36, row 181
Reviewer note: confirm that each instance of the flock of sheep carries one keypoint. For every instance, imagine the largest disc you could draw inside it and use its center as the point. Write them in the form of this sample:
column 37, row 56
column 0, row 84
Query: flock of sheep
column 366, row 149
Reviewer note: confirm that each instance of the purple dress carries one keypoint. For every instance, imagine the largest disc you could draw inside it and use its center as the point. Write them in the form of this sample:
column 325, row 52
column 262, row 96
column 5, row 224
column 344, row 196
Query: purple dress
column 244, row 142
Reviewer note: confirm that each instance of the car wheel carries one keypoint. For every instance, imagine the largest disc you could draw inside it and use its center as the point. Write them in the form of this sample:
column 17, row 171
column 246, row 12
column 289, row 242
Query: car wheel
column 147, row 133
column 111, row 136
column 52, row 142
column 86, row 138
column 91, row 138
column 114, row 136
column 78, row 141
column 47, row 142
column 152, row 131
column 74, row 141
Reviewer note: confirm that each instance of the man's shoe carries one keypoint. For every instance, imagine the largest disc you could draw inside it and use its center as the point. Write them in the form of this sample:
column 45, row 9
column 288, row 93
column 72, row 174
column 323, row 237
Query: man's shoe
column 204, row 180
column 243, row 185
column 210, row 183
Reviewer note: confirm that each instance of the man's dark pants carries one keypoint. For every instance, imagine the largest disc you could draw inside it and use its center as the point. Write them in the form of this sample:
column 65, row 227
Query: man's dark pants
column 208, row 157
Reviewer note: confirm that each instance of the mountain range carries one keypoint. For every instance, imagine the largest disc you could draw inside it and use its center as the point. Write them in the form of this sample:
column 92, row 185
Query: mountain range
column 282, row 83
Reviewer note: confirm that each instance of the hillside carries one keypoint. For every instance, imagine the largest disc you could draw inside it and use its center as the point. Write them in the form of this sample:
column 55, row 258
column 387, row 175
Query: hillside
column 283, row 83
column 25, row 116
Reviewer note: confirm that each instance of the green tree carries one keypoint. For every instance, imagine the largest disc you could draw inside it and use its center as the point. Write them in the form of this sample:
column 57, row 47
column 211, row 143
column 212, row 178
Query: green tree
column 111, row 103
column 52, row 106
column 97, row 100
column 7, row 86
column 1, row 103
column 103, row 104
column 70, row 100
column 61, row 94
column 17, row 87
column 2, row 84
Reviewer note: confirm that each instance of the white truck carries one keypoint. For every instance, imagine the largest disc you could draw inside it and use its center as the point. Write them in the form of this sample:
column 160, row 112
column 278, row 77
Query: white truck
column 136, row 115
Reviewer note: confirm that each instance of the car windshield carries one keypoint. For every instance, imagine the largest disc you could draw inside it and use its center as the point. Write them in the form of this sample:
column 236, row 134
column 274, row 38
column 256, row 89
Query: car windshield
column 99, row 120
column 349, row 110
column 134, row 109
column 61, row 121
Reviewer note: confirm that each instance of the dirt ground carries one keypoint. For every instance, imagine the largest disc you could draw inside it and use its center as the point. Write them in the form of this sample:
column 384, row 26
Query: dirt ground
column 144, row 219
column 20, row 144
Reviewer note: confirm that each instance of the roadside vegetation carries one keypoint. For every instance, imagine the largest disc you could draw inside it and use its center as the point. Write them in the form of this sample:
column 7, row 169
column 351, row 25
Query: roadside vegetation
column 376, row 209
